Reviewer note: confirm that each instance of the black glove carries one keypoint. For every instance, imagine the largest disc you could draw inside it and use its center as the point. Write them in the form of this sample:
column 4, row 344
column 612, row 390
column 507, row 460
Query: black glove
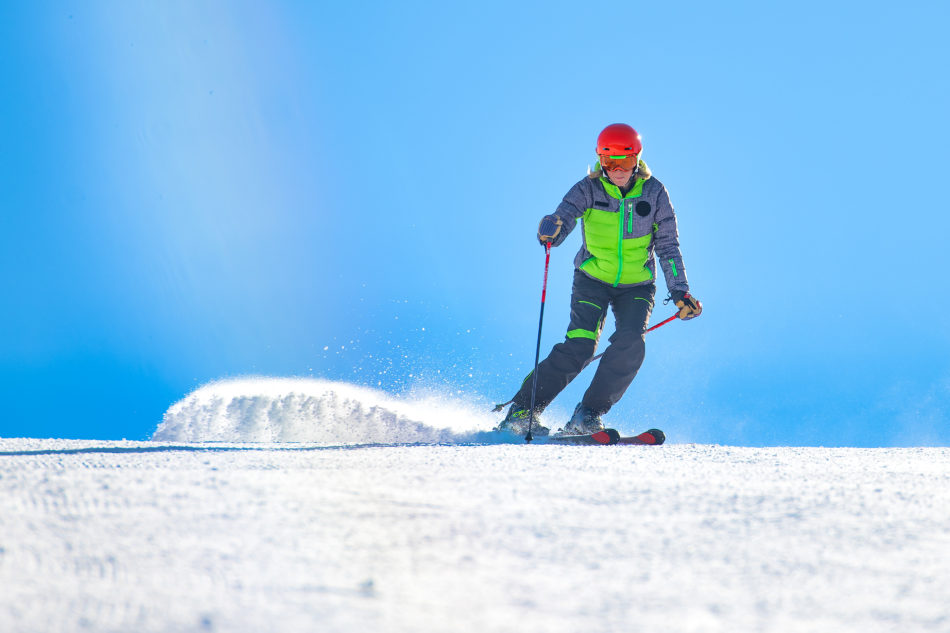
column 549, row 229
column 690, row 307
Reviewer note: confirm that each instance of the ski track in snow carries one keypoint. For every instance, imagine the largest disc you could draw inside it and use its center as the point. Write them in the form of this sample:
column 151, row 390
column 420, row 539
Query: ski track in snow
column 332, row 534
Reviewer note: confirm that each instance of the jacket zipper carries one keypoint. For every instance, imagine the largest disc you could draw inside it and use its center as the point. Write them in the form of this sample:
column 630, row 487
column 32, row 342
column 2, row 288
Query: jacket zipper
column 623, row 208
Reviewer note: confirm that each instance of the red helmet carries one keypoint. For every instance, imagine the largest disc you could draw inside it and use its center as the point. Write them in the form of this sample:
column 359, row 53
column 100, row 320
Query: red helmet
column 619, row 139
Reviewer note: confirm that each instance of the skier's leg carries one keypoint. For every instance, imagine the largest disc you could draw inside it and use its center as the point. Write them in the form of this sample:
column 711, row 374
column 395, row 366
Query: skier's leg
column 624, row 356
column 589, row 299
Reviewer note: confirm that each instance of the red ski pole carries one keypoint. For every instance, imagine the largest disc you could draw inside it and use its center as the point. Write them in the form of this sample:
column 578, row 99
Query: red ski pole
column 660, row 324
column 537, row 351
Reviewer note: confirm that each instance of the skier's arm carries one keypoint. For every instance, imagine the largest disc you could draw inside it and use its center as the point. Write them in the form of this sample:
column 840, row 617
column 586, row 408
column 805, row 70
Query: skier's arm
column 571, row 208
column 668, row 246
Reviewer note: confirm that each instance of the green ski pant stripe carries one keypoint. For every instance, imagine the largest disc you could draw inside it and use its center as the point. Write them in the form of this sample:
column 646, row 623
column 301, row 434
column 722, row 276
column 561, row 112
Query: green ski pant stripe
column 582, row 334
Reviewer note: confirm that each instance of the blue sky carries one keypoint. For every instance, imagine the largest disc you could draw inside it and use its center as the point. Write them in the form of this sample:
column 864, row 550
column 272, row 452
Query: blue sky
column 192, row 191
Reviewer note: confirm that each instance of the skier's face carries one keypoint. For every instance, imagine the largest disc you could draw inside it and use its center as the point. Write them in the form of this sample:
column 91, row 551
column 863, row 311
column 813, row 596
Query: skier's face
column 619, row 168
column 620, row 177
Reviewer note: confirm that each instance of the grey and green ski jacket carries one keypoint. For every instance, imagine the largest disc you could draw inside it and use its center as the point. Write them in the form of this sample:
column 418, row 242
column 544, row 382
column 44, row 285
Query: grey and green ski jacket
column 622, row 234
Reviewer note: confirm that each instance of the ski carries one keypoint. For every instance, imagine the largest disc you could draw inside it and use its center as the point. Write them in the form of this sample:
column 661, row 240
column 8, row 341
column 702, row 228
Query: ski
column 608, row 437
column 653, row 437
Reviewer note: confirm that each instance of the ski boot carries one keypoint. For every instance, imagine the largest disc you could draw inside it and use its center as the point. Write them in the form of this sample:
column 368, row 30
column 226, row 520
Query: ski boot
column 517, row 422
column 584, row 422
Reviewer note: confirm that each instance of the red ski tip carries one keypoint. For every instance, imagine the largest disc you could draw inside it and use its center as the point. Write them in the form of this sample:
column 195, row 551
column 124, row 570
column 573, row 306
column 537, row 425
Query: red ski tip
column 653, row 436
column 607, row 436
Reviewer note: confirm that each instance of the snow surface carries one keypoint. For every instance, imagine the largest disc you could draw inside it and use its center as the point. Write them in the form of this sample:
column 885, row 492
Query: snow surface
column 343, row 534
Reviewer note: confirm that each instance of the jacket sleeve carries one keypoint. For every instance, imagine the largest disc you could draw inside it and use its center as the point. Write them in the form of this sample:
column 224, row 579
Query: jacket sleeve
column 668, row 244
column 572, row 207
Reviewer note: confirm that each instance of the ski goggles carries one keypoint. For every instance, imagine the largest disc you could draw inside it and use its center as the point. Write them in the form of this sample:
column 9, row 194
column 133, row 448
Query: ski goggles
column 623, row 163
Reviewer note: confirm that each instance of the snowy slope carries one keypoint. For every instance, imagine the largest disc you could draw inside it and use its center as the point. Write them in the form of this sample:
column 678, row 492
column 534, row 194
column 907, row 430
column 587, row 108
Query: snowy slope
column 205, row 531
column 124, row 536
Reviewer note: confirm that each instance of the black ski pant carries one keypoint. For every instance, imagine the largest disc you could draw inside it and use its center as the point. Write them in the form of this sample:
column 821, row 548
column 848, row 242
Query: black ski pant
column 618, row 366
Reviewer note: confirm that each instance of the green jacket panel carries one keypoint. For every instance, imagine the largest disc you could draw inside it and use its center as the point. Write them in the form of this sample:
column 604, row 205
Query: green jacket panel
column 615, row 257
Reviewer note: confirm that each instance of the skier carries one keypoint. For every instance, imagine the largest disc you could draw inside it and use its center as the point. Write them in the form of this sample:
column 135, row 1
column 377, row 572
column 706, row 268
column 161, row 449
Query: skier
column 626, row 218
